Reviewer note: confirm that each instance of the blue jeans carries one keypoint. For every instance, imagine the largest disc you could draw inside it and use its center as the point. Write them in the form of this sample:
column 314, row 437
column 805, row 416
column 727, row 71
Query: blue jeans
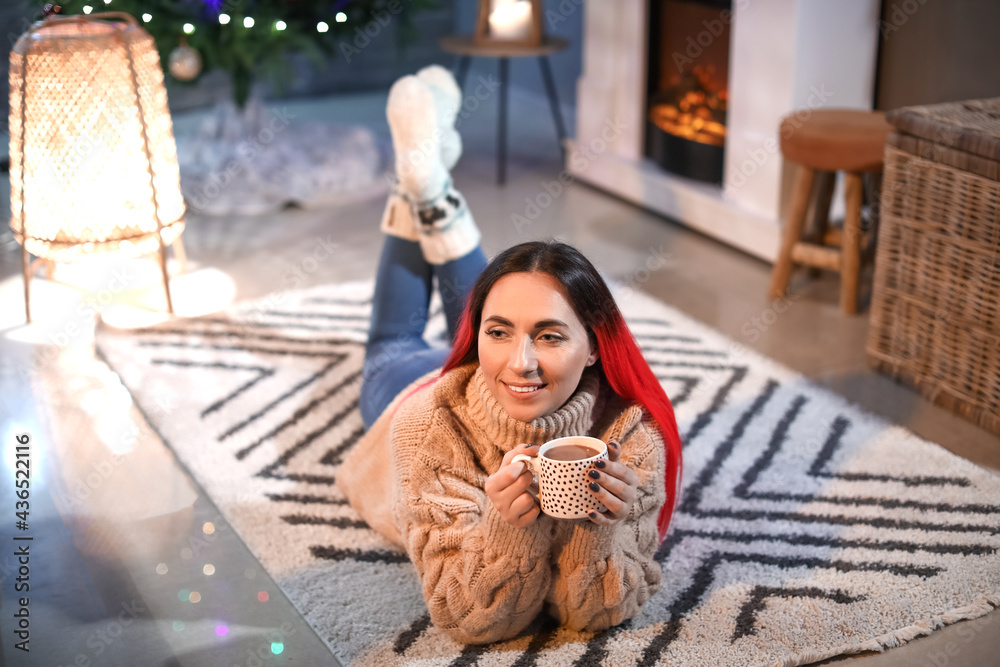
column 396, row 353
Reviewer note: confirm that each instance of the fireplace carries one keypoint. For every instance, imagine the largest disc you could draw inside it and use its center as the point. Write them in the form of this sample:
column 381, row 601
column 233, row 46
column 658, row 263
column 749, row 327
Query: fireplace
column 688, row 60
column 783, row 56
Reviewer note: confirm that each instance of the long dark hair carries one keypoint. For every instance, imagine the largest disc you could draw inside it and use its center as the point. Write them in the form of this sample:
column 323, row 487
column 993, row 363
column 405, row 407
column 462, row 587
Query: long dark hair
column 621, row 360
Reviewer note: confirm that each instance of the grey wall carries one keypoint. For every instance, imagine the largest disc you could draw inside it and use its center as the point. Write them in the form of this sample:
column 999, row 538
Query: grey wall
column 938, row 51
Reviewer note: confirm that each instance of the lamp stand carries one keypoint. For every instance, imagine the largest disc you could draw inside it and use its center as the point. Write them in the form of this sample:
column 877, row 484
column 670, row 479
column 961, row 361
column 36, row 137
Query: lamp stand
column 166, row 277
column 28, row 269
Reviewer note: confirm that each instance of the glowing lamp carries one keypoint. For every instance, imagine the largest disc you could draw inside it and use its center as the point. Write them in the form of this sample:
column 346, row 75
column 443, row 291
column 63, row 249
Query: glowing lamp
column 93, row 164
column 509, row 23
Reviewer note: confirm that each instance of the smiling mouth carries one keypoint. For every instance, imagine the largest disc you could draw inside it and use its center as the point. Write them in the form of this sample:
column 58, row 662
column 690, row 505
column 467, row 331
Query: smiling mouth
column 524, row 390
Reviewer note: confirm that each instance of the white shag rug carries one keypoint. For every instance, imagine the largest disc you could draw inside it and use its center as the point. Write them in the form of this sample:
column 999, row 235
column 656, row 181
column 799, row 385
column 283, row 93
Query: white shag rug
column 807, row 528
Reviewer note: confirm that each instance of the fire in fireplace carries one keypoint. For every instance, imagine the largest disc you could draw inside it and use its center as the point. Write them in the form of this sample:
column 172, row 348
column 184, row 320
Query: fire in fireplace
column 688, row 66
column 694, row 109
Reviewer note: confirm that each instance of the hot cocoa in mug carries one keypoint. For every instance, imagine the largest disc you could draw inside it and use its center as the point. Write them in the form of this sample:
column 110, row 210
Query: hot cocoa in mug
column 571, row 452
column 561, row 467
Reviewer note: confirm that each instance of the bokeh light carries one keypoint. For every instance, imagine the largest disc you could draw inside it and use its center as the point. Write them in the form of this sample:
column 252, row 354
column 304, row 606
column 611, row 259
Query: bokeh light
column 221, row 630
column 209, row 569
column 208, row 528
column 195, row 597
column 162, row 568
column 277, row 648
column 183, row 594
column 178, row 626
column 263, row 596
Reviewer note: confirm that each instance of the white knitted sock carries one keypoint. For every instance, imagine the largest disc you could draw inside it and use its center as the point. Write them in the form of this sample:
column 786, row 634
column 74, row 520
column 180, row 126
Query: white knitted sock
column 421, row 111
column 447, row 229
column 419, row 172
column 447, row 101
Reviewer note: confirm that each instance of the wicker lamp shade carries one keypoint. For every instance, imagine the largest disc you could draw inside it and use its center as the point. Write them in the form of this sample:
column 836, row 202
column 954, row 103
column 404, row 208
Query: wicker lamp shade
column 93, row 164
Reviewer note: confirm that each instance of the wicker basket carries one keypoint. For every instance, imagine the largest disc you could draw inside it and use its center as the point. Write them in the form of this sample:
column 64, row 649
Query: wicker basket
column 935, row 316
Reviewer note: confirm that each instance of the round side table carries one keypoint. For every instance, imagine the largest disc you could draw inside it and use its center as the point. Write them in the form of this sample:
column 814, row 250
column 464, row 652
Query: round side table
column 465, row 49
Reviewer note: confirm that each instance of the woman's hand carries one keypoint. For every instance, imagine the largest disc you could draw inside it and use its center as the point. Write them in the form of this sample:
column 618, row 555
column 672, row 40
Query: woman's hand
column 615, row 485
column 508, row 489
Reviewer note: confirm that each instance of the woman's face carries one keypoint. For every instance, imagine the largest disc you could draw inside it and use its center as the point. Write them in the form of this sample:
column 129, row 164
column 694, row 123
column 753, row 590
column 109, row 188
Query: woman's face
column 532, row 346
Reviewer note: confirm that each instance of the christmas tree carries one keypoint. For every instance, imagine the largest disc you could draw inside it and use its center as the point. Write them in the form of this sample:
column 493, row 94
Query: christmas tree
column 252, row 38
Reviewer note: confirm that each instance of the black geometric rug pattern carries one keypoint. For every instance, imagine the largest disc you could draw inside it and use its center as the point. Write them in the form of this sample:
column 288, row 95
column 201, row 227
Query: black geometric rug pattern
column 807, row 528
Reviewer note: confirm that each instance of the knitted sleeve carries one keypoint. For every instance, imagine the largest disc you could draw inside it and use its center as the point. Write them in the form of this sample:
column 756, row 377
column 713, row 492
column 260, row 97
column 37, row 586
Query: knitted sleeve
column 608, row 572
column 482, row 579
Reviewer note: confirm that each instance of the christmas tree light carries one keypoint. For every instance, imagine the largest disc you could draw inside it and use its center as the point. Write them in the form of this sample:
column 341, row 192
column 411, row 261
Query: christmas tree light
column 316, row 29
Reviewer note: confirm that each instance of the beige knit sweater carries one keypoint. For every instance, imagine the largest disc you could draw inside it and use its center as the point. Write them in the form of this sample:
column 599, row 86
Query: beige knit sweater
column 418, row 476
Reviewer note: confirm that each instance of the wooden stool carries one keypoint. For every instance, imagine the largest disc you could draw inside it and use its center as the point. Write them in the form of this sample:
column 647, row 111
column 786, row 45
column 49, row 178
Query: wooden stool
column 823, row 142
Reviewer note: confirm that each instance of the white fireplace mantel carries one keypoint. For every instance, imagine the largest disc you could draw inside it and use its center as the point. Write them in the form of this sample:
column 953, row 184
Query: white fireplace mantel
column 785, row 56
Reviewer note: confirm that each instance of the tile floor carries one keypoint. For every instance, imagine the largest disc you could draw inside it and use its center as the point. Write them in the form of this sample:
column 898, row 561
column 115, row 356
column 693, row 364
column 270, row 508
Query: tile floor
column 123, row 537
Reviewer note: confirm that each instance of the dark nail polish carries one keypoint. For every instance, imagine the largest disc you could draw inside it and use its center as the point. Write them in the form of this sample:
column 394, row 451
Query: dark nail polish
column 594, row 486
column 600, row 463
column 613, row 444
column 593, row 515
column 594, row 474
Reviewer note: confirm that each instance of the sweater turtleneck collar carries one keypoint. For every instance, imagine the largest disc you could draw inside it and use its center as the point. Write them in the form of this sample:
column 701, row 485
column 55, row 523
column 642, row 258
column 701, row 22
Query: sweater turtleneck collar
column 575, row 417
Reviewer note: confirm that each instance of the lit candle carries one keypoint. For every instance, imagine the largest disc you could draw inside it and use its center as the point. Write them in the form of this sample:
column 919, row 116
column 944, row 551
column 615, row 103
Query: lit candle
column 511, row 19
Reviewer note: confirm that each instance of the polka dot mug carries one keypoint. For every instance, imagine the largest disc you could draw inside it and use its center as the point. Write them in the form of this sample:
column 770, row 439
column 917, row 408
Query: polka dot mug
column 561, row 469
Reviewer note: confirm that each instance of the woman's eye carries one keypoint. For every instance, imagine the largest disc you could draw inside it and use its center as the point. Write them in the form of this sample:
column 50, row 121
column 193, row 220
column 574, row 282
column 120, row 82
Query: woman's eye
column 494, row 333
column 551, row 338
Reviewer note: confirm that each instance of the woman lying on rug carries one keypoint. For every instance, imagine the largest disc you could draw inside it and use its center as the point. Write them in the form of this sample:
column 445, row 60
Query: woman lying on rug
column 540, row 352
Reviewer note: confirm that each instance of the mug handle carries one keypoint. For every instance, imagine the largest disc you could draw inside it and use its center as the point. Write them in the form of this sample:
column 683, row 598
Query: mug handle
column 531, row 462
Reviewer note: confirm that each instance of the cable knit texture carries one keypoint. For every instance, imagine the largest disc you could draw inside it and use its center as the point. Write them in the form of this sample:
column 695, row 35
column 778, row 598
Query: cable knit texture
column 483, row 579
